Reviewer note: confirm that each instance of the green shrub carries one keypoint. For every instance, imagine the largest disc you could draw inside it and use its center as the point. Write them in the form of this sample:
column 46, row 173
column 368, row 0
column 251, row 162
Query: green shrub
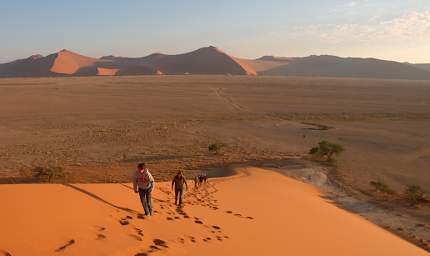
column 216, row 147
column 414, row 194
column 380, row 186
column 327, row 150
column 49, row 173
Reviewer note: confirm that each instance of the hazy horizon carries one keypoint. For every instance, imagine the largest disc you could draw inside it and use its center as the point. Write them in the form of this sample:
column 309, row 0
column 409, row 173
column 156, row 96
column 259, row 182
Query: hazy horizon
column 391, row 30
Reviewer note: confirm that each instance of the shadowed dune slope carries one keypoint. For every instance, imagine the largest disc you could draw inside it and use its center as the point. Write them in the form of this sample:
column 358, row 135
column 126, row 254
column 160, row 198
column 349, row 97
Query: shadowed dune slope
column 208, row 60
column 35, row 65
column 332, row 66
column 423, row 66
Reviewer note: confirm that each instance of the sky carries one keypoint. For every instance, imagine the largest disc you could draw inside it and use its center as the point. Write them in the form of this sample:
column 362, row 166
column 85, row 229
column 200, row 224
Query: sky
column 387, row 29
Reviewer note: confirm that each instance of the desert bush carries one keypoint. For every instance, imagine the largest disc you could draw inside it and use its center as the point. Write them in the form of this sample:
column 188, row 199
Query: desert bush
column 380, row 186
column 216, row 147
column 327, row 150
column 49, row 173
column 414, row 194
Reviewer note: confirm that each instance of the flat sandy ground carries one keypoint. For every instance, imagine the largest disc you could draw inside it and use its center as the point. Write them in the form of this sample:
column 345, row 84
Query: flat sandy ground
column 257, row 212
column 93, row 121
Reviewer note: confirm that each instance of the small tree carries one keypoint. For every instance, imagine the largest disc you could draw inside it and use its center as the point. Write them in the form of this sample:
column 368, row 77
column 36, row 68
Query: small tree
column 216, row 148
column 380, row 186
column 49, row 173
column 327, row 150
column 414, row 194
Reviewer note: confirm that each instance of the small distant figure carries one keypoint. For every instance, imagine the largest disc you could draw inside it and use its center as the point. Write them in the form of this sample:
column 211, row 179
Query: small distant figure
column 178, row 182
column 196, row 181
column 204, row 177
column 143, row 183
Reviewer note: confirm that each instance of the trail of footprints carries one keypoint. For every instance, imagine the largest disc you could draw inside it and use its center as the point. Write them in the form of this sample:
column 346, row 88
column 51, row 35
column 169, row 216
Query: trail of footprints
column 202, row 196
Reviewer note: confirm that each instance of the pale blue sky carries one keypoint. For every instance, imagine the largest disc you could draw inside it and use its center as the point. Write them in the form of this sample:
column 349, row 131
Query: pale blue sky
column 388, row 29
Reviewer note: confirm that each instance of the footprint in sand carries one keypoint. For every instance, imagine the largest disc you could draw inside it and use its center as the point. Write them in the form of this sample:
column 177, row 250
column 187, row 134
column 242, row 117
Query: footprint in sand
column 100, row 237
column 198, row 222
column 124, row 222
column 192, row 239
column 71, row 242
column 5, row 253
column 216, row 227
column 138, row 238
column 141, row 254
column 239, row 215
column 159, row 242
column 153, row 248
column 139, row 231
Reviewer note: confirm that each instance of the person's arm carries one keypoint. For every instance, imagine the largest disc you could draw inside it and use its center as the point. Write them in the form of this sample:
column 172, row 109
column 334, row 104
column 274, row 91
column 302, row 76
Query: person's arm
column 151, row 181
column 135, row 183
column 186, row 184
column 173, row 181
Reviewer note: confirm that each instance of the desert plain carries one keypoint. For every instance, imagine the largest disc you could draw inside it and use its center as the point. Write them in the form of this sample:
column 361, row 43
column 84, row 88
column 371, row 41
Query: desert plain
column 98, row 128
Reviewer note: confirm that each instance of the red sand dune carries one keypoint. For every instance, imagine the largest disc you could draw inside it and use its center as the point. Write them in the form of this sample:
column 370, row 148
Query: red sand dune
column 208, row 60
column 256, row 213
column 107, row 71
column 260, row 65
column 69, row 63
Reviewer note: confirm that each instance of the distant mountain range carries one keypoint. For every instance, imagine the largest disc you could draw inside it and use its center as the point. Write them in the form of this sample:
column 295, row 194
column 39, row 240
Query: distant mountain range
column 210, row 60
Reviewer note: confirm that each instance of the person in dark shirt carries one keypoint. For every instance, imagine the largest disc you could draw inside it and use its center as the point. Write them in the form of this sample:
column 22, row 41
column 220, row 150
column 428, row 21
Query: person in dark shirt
column 178, row 182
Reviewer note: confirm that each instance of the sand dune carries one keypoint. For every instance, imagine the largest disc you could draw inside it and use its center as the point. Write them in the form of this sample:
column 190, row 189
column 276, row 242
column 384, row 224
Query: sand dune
column 423, row 66
column 207, row 60
column 107, row 71
column 333, row 66
column 261, row 65
column 68, row 63
column 257, row 212
column 35, row 65
column 211, row 60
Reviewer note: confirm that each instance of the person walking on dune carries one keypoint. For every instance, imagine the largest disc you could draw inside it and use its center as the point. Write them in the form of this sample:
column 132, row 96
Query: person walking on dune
column 143, row 183
column 178, row 182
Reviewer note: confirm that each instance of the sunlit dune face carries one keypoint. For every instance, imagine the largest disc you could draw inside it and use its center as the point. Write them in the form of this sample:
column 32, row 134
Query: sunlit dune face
column 107, row 71
column 69, row 63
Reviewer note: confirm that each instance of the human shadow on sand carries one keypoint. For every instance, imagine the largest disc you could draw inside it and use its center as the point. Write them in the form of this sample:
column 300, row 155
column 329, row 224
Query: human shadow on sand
column 92, row 195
